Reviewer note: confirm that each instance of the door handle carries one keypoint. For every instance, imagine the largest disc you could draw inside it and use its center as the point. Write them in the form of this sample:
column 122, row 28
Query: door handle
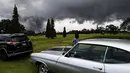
column 97, row 68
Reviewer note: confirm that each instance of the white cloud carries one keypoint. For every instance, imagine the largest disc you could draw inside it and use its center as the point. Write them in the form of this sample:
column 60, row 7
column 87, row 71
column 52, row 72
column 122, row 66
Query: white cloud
column 59, row 25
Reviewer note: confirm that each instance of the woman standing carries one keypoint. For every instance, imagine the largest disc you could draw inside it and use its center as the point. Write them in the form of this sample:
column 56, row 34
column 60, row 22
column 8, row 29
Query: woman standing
column 76, row 39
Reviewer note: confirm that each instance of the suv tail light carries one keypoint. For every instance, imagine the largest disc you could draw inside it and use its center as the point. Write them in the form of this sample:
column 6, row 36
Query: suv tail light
column 11, row 43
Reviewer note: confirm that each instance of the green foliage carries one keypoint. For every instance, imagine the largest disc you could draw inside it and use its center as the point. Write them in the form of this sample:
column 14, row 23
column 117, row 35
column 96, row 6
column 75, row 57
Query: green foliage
column 128, row 27
column 125, row 24
column 64, row 32
column 15, row 26
column 4, row 25
column 53, row 31
column 112, row 29
column 50, row 30
column 15, row 15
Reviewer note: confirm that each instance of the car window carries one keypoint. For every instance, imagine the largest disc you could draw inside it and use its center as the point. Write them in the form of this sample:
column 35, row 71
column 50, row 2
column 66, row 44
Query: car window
column 89, row 52
column 116, row 55
column 67, row 49
column 81, row 47
column 19, row 38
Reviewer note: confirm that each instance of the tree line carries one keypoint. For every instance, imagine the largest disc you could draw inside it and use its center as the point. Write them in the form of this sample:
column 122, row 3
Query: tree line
column 111, row 29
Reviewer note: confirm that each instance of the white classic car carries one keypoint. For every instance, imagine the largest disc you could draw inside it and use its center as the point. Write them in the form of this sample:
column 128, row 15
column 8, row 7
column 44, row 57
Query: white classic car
column 88, row 56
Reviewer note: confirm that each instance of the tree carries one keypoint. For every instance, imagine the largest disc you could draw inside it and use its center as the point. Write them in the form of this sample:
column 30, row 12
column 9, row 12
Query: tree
column 111, row 28
column 52, row 29
column 128, row 27
column 125, row 24
column 15, row 26
column 47, row 33
column 100, row 30
column 4, row 25
column 64, row 32
column 22, row 28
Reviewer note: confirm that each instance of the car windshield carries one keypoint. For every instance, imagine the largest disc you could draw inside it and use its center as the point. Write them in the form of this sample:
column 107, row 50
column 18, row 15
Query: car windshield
column 19, row 38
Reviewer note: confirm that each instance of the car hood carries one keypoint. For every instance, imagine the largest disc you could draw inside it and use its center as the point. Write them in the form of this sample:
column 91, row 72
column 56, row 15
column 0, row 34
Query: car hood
column 46, row 56
column 53, row 52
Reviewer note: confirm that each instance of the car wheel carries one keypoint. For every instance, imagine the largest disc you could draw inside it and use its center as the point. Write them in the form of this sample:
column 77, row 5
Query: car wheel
column 3, row 55
column 42, row 69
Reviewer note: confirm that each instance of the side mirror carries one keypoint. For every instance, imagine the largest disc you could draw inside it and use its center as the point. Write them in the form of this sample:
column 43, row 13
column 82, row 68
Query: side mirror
column 72, row 54
column 67, row 55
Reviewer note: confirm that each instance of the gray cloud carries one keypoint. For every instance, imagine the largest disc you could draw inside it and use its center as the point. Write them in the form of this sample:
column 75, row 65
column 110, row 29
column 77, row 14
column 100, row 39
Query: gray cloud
column 97, row 10
column 82, row 10
column 33, row 23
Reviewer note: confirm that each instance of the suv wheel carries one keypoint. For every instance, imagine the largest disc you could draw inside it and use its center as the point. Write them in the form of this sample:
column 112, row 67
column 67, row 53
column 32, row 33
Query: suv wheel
column 3, row 55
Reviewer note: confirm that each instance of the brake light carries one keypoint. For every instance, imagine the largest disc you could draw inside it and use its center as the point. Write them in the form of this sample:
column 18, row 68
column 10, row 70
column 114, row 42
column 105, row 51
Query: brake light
column 12, row 43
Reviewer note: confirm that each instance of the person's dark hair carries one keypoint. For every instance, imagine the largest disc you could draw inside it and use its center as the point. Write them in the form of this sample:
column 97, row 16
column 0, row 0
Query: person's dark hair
column 76, row 35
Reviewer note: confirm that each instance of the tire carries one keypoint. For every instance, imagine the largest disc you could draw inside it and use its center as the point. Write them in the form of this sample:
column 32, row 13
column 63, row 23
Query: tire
column 43, row 69
column 3, row 55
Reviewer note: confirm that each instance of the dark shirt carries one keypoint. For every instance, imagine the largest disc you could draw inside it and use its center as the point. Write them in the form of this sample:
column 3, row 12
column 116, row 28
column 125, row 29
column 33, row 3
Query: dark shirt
column 75, row 40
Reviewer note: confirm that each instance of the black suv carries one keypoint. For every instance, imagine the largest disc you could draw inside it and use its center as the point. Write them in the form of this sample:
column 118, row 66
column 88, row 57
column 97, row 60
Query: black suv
column 14, row 44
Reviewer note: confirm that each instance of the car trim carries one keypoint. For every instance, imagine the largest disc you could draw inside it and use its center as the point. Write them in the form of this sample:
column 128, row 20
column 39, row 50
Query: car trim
column 46, row 59
column 105, row 54
column 14, row 54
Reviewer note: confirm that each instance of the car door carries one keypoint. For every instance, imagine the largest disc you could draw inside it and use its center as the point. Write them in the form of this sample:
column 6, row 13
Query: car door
column 83, row 58
column 117, row 61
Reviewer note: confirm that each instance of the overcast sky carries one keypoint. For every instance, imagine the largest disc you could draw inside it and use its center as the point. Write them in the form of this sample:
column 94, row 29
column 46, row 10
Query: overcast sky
column 74, row 14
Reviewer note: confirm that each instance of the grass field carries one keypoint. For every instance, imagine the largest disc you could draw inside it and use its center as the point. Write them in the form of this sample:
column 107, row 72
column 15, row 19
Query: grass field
column 21, row 64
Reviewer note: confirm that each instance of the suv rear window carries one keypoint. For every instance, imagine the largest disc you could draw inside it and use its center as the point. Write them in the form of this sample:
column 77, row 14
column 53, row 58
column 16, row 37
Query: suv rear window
column 19, row 38
column 4, row 38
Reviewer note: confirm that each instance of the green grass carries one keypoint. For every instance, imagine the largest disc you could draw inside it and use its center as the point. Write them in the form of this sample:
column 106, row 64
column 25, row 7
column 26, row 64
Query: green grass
column 22, row 64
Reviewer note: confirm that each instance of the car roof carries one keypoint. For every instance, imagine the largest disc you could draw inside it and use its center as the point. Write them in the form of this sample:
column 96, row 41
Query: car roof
column 5, row 34
column 18, row 34
column 117, row 43
column 14, row 34
column 63, row 47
